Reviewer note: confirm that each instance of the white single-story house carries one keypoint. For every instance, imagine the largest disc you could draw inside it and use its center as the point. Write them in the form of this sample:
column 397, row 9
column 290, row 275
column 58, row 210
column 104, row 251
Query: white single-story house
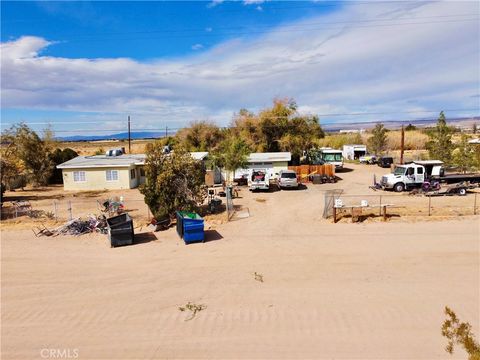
column 99, row 172
column 273, row 162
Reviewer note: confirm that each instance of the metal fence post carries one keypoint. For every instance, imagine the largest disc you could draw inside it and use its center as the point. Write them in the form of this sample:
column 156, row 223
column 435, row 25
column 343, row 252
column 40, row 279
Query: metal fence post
column 55, row 213
column 380, row 205
column 429, row 205
column 475, row 205
column 70, row 210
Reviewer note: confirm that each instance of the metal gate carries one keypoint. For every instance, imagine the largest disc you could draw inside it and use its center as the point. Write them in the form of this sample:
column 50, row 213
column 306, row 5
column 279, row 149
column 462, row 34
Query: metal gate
column 330, row 196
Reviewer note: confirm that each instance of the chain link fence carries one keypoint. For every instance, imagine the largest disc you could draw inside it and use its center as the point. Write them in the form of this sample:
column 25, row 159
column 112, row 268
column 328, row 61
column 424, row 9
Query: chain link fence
column 403, row 204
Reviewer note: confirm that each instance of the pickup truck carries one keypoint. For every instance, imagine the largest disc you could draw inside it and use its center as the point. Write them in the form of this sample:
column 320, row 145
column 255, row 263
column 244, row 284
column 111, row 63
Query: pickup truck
column 258, row 179
column 408, row 176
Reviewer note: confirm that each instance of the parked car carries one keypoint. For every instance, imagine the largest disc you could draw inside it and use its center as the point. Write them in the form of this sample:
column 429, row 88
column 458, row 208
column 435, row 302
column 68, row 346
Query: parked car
column 287, row 179
column 368, row 159
column 385, row 161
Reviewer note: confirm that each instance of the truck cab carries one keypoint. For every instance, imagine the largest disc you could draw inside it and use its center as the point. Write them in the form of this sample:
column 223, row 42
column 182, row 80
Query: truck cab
column 411, row 175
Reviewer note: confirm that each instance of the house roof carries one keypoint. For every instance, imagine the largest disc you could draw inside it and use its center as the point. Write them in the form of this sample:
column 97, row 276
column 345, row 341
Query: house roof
column 355, row 145
column 269, row 157
column 474, row 141
column 103, row 161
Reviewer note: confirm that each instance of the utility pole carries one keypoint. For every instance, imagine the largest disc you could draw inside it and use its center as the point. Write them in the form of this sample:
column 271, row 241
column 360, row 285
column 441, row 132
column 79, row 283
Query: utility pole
column 166, row 130
column 129, row 137
column 402, row 145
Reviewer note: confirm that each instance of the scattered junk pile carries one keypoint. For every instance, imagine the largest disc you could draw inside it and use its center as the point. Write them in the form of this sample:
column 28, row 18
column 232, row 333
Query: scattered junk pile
column 114, row 222
column 113, row 206
column 76, row 227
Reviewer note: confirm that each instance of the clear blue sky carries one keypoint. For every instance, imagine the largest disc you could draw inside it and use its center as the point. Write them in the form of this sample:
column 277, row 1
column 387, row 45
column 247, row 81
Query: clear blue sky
column 78, row 65
column 145, row 30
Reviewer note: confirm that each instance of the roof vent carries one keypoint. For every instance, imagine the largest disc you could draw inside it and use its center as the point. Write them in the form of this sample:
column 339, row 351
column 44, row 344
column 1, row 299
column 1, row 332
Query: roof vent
column 114, row 152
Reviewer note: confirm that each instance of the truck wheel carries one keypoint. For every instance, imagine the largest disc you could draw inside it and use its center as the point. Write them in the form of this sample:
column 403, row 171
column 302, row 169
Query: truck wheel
column 399, row 187
column 462, row 191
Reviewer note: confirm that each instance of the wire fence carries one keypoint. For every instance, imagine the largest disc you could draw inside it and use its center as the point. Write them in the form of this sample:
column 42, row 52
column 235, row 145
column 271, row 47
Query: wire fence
column 401, row 205
column 64, row 210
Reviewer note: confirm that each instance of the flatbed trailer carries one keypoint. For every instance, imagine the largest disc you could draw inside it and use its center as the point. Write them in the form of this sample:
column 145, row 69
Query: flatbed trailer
column 458, row 178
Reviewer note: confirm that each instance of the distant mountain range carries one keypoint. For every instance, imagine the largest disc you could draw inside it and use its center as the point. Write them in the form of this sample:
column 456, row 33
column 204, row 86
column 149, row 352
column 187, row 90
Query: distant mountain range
column 397, row 124
column 390, row 124
column 119, row 136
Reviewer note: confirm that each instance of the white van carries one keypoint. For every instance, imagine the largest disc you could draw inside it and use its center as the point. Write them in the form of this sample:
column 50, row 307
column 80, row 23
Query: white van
column 258, row 179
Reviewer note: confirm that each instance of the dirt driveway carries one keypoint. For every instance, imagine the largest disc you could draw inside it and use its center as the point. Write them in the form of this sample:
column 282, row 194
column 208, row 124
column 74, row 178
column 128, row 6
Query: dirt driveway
column 369, row 290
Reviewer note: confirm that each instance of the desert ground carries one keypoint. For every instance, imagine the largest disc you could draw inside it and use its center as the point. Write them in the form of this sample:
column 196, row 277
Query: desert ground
column 369, row 290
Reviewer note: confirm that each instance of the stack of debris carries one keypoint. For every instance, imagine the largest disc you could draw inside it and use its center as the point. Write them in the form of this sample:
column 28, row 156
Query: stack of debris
column 76, row 227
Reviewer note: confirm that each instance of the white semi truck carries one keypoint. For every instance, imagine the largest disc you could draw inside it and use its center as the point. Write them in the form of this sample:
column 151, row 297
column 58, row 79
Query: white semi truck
column 415, row 174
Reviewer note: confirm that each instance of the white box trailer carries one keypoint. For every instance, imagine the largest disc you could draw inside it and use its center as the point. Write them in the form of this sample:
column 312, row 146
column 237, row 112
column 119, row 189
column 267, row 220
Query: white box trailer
column 354, row 151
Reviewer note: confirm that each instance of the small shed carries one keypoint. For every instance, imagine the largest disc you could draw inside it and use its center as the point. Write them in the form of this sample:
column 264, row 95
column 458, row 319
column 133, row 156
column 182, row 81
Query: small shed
column 354, row 151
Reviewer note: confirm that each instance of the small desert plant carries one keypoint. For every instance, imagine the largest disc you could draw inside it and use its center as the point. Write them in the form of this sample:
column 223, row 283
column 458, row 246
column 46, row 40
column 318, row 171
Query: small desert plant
column 459, row 333
column 258, row 277
column 193, row 308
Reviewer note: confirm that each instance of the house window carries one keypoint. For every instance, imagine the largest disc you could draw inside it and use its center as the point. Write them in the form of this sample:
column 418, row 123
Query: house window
column 142, row 172
column 79, row 176
column 112, row 175
column 132, row 173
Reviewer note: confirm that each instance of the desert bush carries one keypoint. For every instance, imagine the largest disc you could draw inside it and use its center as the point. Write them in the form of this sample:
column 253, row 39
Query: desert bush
column 336, row 141
column 414, row 140
column 459, row 333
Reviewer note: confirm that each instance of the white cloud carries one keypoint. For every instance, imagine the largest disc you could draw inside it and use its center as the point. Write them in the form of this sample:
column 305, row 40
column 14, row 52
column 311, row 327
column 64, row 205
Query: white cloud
column 214, row 3
column 197, row 47
column 253, row 2
column 342, row 68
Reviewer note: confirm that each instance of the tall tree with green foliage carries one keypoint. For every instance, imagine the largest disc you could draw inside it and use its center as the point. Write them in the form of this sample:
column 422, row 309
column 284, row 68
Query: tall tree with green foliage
column 174, row 181
column 440, row 145
column 200, row 136
column 278, row 128
column 378, row 141
column 33, row 152
column 464, row 155
column 234, row 154
column 59, row 156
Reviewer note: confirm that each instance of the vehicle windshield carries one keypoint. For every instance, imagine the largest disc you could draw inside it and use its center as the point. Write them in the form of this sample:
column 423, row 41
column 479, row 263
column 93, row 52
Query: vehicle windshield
column 399, row 170
column 332, row 157
column 289, row 175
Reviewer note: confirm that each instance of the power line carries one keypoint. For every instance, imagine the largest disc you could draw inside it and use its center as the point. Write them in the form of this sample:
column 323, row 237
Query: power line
column 267, row 31
column 271, row 117
column 302, row 25
column 218, row 9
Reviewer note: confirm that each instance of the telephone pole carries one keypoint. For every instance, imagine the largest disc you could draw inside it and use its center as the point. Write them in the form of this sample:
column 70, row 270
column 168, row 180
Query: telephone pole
column 129, row 137
column 166, row 130
column 402, row 145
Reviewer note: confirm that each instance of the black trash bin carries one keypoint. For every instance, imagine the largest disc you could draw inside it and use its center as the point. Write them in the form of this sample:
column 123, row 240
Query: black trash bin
column 120, row 230
column 179, row 223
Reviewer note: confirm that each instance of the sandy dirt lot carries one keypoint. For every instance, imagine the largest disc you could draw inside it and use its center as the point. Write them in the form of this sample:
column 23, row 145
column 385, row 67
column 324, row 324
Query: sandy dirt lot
column 369, row 290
